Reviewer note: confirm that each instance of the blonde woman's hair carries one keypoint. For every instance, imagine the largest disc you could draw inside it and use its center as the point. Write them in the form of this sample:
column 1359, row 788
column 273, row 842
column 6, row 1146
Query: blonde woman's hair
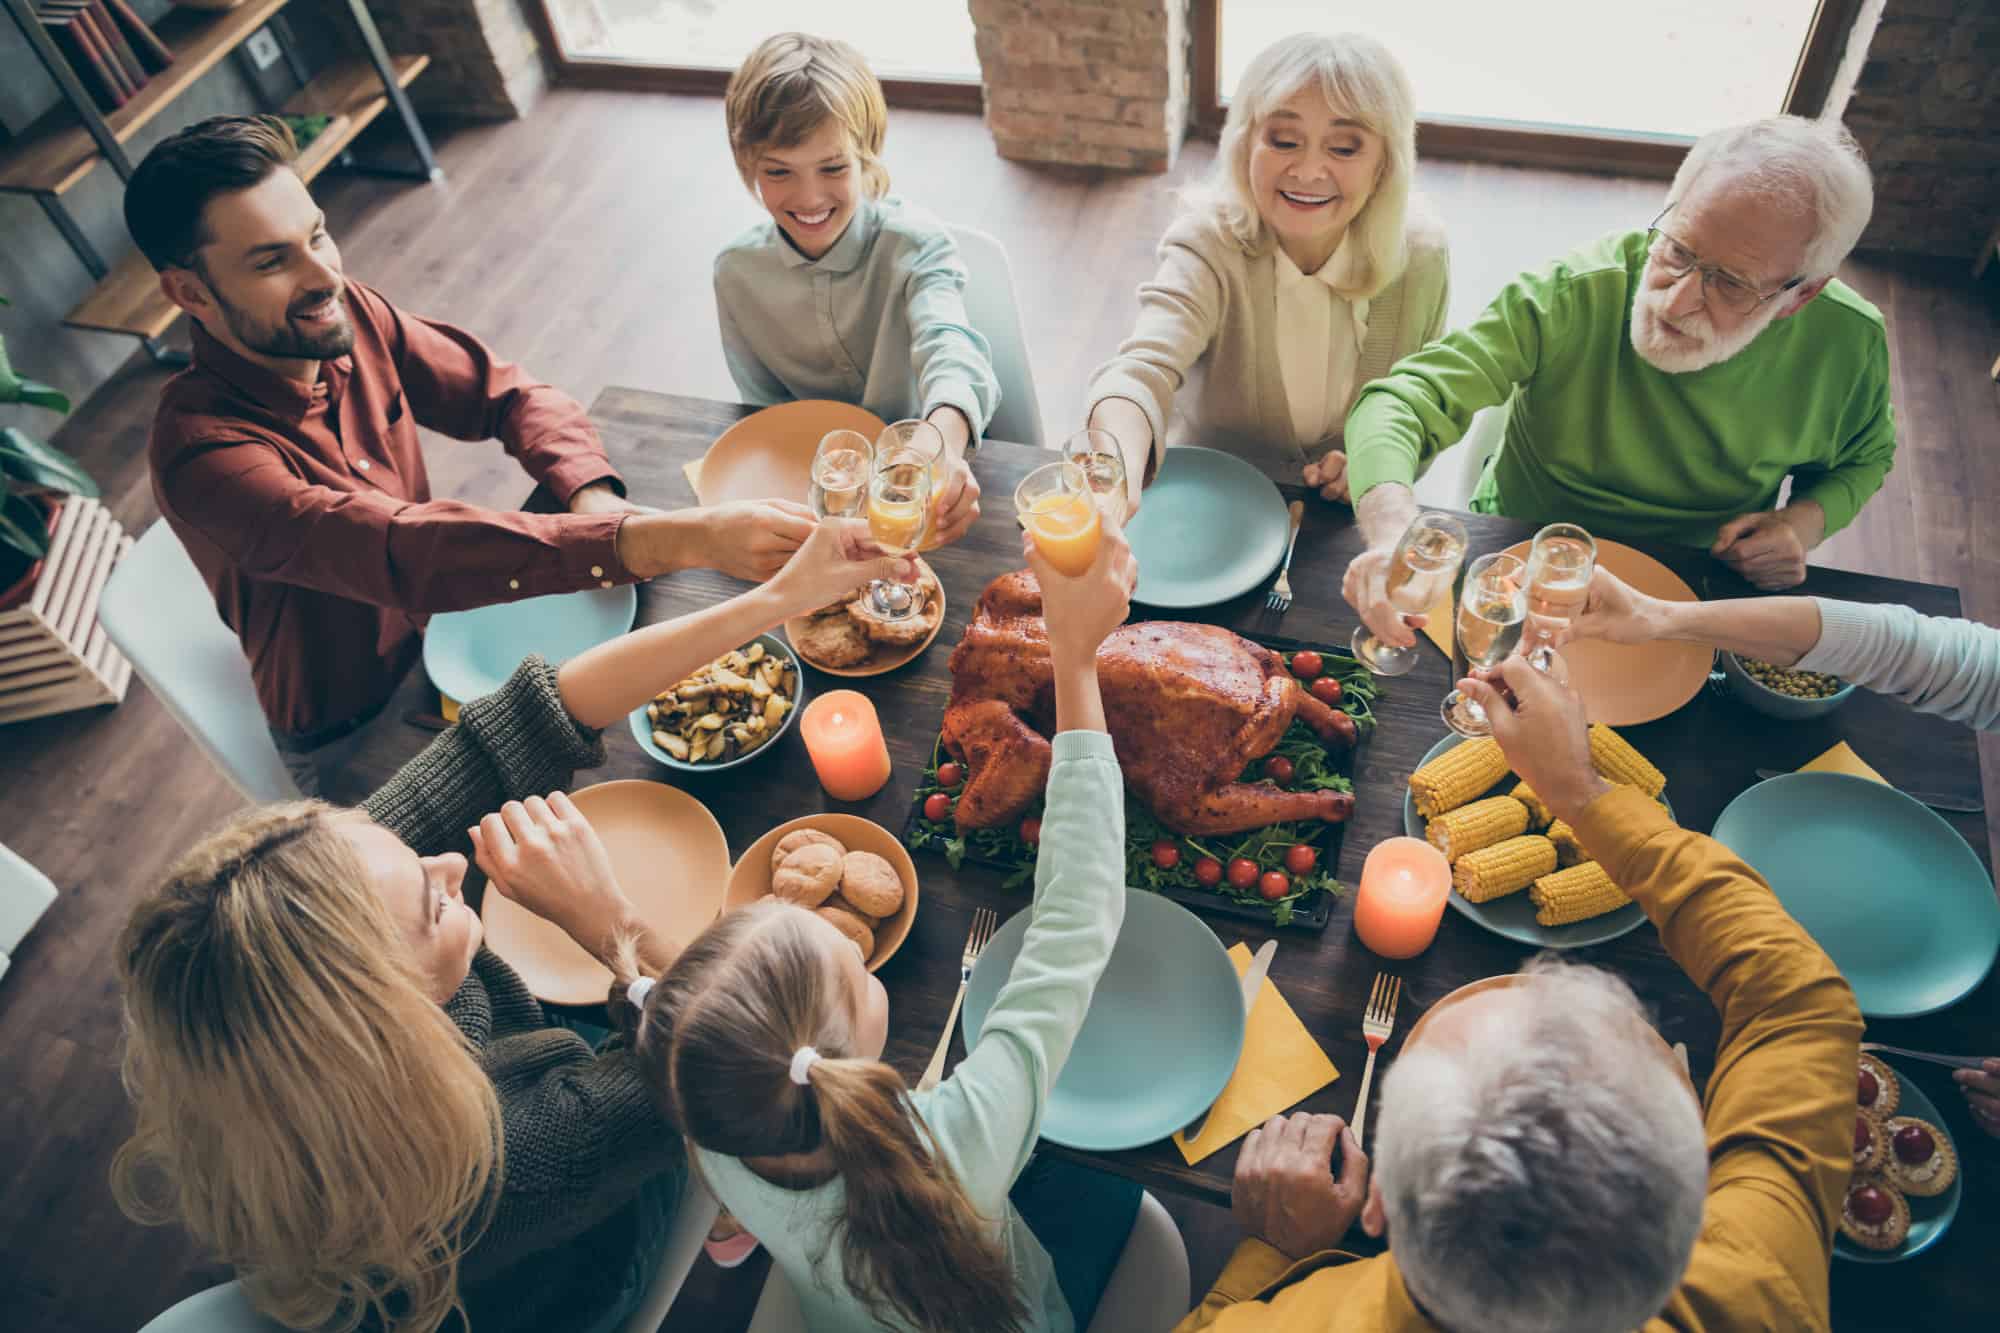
column 794, row 83
column 716, row 1039
column 1361, row 80
column 303, row 1106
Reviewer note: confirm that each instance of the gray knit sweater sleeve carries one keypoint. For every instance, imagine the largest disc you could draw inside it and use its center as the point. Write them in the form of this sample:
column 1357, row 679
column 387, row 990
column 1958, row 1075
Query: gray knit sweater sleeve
column 517, row 741
column 1933, row 664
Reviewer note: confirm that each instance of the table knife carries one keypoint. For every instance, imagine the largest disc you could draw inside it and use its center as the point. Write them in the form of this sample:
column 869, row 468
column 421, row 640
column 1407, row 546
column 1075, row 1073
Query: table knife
column 1957, row 805
column 1253, row 981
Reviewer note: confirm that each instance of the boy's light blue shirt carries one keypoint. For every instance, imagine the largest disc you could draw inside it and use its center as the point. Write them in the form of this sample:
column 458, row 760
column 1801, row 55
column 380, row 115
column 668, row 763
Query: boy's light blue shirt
column 878, row 320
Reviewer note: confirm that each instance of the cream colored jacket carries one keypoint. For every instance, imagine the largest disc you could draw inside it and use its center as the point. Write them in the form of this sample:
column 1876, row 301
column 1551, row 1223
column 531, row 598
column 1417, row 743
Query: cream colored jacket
column 1208, row 320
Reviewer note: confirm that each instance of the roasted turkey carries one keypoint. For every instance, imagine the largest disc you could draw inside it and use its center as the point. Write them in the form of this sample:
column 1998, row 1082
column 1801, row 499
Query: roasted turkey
column 1189, row 708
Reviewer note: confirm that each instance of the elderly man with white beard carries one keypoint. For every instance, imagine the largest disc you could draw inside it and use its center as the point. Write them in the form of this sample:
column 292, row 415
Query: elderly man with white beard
column 1663, row 384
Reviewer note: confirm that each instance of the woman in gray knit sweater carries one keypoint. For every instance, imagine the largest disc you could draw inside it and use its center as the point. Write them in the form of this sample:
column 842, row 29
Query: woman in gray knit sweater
column 344, row 1094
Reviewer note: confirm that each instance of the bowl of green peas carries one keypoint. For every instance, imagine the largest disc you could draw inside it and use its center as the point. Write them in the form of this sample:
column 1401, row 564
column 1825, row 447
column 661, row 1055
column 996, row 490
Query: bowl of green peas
column 1784, row 692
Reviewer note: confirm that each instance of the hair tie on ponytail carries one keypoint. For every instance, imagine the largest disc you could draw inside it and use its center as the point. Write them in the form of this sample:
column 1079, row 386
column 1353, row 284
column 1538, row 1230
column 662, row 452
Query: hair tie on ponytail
column 637, row 992
column 803, row 1059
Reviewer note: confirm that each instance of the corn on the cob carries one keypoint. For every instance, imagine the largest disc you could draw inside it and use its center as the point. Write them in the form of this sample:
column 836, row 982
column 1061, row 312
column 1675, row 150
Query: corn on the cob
column 1613, row 756
column 1576, row 894
column 1504, row 868
column 1456, row 776
column 1569, row 851
column 1480, row 824
column 1538, row 814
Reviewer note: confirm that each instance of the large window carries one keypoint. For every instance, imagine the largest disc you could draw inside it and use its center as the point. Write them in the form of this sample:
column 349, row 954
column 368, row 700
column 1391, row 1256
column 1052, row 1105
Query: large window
column 927, row 41
column 1675, row 67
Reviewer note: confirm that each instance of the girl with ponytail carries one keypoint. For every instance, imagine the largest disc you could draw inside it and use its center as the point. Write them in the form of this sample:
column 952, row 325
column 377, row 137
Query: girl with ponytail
column 888, row 1208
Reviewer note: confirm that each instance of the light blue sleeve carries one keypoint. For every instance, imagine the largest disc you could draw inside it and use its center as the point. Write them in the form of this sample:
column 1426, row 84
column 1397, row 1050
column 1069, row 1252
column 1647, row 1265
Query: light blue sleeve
column 950, row 359
column 988, row 1114
column 754, row 381
column 1935, row 665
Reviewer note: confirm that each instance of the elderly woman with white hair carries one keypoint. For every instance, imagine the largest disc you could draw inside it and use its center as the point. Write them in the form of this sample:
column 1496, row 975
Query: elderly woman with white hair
column 1543, row 1163
column 1299, row 274
column 1663, row 383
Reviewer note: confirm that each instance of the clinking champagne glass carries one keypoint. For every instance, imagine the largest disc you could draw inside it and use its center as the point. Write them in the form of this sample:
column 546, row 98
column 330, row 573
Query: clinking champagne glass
column 1560, row 565
column 1096, row 452
column 840, row 470
column 1492, row 607
column 926, row 442
column 1421, row 571
column 899, row 503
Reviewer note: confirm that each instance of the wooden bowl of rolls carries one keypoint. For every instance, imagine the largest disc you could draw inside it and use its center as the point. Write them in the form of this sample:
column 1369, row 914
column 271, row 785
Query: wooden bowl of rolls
column 850, row 870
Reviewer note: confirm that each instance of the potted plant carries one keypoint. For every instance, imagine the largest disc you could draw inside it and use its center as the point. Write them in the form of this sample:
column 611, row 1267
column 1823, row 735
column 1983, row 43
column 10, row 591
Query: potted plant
column 30, row 474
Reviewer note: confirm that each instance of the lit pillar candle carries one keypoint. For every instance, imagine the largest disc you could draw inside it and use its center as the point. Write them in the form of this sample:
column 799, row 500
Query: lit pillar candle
column 1404, row 884
column 844, row 738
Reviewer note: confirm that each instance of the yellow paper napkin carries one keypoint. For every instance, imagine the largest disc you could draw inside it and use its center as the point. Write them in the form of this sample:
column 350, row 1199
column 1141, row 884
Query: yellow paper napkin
column 1438, row 625
column 1842, row 759
column 1281, row 1066
column 693, row 473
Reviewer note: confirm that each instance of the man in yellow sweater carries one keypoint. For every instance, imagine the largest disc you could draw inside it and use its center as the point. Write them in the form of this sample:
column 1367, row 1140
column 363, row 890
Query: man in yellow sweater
column 1541, row 1164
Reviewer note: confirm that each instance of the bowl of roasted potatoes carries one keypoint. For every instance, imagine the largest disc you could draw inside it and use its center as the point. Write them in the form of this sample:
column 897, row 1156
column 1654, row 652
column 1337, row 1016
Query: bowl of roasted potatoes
column 725, row 714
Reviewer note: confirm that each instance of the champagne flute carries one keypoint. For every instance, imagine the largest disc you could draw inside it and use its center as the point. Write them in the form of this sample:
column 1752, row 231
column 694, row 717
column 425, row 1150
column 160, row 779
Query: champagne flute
column 1096, row 452
column 840, row 470
column 1492, row 608
column 1420, row 572
column 1055, row 506
column 1560, row 565
column 925, row 442
column 899, row 502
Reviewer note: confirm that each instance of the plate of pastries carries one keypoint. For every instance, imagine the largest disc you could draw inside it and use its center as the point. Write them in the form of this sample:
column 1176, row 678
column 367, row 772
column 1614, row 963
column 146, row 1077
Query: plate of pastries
column 1905, row 1187
column 846, row 638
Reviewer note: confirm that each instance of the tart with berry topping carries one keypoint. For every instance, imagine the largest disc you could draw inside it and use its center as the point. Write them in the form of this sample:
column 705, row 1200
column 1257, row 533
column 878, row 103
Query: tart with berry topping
column 1920, row 1159
column 1875, row 1215
column 1871, row 1144
column 1877, row 1089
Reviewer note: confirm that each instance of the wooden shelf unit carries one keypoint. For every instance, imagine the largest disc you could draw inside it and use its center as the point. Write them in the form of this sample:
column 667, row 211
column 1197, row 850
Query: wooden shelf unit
column 56, row 153
column 129, row 300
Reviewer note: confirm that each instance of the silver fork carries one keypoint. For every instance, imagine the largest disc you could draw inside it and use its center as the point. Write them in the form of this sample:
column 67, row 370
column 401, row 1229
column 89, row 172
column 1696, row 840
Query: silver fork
column 983, row 923
column 1280, row 599
column 1377, row 1022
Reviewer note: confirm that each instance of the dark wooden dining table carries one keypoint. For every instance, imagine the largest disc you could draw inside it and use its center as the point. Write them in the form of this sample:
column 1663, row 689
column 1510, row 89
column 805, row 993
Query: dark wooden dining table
column 1709, row 750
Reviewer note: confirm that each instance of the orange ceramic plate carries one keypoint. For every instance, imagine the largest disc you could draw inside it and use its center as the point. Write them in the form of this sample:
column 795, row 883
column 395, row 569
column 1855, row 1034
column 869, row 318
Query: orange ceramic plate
column 768, row 455
column 671, row 860
column 882, row 658
column 751, row 879
column 1472, row 988
column 1625, row 684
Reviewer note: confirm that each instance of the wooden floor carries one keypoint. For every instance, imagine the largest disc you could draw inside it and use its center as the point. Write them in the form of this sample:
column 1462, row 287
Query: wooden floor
column 579, row 242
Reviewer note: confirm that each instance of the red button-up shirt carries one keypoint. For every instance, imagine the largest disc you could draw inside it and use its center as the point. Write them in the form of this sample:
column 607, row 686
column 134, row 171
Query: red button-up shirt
column 308, row 509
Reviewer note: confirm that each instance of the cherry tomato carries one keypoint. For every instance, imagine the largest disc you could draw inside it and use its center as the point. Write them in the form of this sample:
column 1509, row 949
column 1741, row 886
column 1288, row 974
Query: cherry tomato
column 1165, row 855
column 1208, row 872
column 1278, row 769
column 1031, row 832
column 1327, row 689
column 1242, row 873
column 937, row 807
column 1307, row 664
column 950, row 775
column 1274, row 885
column 1301, row 859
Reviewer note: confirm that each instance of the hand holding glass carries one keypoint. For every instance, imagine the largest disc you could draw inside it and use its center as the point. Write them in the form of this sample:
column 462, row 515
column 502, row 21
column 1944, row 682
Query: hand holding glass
column 921, row 440
column 1491, row 609
column 1420, row 573
column 1560, row 565
column 899, row 501
column 1055, row 507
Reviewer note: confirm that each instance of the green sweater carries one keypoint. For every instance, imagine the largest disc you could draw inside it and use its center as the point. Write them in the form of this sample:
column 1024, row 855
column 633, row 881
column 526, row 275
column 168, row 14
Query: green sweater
column 582, row 1135
column 1597, row 436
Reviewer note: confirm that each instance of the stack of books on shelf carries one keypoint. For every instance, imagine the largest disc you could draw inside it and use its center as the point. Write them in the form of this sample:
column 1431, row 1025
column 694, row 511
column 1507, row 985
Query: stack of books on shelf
column 112, row 52
column 54, row 656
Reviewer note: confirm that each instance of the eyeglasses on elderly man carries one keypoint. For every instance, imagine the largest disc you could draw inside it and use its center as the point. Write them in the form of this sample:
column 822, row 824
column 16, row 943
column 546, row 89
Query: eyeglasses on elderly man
column 1737, row 295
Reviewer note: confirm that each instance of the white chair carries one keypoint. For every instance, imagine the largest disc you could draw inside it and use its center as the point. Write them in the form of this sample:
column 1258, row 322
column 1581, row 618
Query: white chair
column 990, row 306
column 160, row 614
column 25, row 893
column 692, row 1220
column 1147, row 1291
column 223, row 1309
column 1453, row 475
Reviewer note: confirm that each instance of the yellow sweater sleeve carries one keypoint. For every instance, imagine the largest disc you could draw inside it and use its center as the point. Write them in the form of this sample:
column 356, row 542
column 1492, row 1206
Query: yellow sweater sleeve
column 1779, row 1107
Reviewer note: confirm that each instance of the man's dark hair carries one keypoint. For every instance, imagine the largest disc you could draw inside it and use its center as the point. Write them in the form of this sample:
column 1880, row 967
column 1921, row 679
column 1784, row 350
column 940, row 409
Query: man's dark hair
column 221, row 155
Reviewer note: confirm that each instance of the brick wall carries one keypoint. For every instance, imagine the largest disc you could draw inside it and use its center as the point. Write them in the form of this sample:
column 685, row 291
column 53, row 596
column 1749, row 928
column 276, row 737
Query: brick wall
column 1101, row 83
column 486, row 62
column 1926, row 110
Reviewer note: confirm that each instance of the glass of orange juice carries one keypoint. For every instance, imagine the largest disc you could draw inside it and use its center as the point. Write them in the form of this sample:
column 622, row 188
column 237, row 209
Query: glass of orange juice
column 923, row 440
column 1055, row 506
column 899, row 502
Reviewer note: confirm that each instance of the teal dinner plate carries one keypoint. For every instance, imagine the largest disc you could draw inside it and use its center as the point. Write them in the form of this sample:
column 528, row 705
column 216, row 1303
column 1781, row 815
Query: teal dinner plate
column 472, row 653
column 1514, row 915
column 1211, row 527
column 1928, row 1216
column 1160, row 1041
column 1889, row 890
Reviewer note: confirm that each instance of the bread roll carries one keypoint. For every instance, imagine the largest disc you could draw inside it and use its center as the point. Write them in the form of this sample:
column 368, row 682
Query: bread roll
column 871, row 884
column 809, row 875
